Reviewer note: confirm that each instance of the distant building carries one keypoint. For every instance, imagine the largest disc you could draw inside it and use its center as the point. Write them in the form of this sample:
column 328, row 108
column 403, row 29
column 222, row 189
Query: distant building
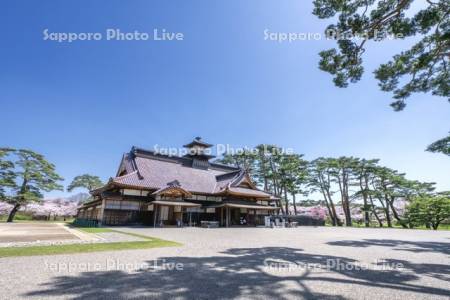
column 155, row 189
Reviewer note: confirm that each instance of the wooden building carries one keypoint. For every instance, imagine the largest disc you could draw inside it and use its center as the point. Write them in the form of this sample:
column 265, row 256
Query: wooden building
column 159, row 190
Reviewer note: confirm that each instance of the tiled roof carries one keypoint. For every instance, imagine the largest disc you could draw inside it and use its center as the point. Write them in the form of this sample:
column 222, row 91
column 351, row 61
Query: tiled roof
column 154, row 171
column 242, row 204
column 241, row 190
column 225, row 180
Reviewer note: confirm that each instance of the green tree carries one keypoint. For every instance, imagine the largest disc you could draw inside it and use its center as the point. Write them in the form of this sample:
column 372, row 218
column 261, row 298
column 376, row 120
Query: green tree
column 293, row 174
column 364, row 170
column 278, row 172
column 321, row 180
column 390, row 185
column 7, row 175
column 441, row 146
column 422, row 68
column 263, row 165
column 412, row 215
column 86, row 181
column 384, row 189
column 429, row 210
column 343, row 171
column 33, row 174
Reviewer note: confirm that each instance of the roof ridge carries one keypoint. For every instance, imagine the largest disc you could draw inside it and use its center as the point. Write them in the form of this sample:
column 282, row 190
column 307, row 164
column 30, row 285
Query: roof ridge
column 224, row 165
column 226, row 174
column 126, row 175
column 140, row 152
column 151, row 154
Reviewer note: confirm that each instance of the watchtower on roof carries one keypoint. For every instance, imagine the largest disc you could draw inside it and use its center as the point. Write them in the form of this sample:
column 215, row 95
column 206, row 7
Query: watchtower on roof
column 200, row 153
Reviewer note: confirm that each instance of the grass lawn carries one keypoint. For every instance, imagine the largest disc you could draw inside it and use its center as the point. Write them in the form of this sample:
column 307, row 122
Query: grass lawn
column 95, row 229
column 395, row 226
column 149, row 242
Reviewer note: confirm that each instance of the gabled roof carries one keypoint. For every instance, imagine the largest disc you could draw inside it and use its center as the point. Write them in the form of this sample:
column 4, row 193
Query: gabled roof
column 153, row 171
column 172, row 191
column 231, row 183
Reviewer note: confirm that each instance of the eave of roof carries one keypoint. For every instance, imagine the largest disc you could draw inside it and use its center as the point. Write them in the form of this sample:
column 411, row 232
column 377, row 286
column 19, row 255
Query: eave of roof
column 91, row 203
column 243, row 204
column 244, row 193
column 175, row 203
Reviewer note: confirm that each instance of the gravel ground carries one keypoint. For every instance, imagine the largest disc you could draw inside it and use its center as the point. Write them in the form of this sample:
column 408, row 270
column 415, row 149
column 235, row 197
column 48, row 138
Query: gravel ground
column 25, row 235
column 246, row 263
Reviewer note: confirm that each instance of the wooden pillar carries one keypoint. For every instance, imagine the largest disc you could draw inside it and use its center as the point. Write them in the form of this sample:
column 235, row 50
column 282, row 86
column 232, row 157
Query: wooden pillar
column 183, row 211
column 102, row 209
column 227, row 216
column 155, row 212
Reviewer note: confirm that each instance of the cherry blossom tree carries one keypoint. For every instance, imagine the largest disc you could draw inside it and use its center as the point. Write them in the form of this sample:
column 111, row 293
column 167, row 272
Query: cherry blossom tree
column 5, row 208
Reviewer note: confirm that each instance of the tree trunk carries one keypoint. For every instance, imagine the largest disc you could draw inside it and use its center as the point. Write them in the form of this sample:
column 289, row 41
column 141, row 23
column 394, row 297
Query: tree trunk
column 396, row 216
column 348, row 215
column 386, row 208
column 280, row 205
column 286, row 202
column 366, row 212
column 344, row 201
column 263, row 170
column 295, row 203
column 435, row 225
column 16, row 207
column 388, row 214
column 333, row 209
column 276, row 188
column 12, row 213
column 330, row 212
column 323, row 189
column 372, row 205
column 336, row 218
column 380, row 223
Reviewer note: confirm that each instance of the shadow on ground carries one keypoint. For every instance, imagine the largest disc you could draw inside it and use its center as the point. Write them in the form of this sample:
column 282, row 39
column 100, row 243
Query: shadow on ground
column 397, row 245
column 241, row 272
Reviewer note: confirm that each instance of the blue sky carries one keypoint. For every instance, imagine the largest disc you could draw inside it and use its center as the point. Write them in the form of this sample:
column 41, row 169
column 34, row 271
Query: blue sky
column 83, row 104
